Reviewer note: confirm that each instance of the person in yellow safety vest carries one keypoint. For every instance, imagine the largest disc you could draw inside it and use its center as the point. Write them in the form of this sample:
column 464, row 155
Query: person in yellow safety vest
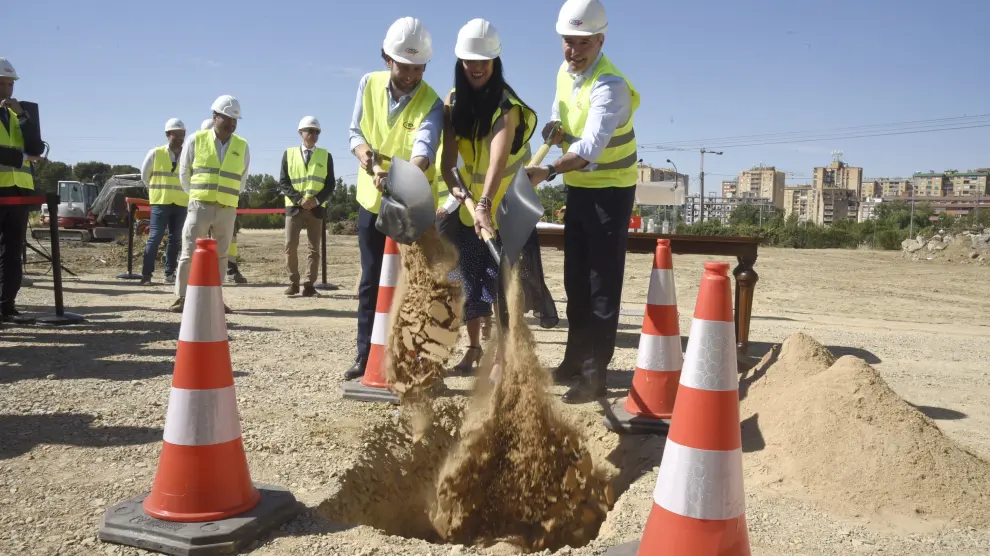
column 169, row 202
column 396, row 114
column 489, row 127
column 594, row 104
column 20, row 145
column 233, row 270
column 306, row 180
column 213, row 167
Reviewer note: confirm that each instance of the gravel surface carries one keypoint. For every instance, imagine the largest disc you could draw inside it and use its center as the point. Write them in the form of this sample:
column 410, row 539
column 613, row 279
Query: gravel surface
column 82, row 407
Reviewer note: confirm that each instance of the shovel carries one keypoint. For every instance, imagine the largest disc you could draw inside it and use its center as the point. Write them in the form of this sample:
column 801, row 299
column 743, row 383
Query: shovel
column 407, row 202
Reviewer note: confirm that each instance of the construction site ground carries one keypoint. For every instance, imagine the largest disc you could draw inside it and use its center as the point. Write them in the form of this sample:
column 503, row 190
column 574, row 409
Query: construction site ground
column 82, row 407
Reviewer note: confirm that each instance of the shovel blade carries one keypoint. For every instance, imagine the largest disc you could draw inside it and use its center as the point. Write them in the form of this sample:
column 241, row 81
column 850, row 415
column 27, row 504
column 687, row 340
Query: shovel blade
column 407, row 209
column 518, row 213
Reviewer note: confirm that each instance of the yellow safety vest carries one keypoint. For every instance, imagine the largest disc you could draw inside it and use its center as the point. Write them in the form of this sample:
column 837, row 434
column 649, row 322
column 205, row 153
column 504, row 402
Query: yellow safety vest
column 616, row 167
column 11, row 176
column 390, row 142
column 476, row 156
column 164, row 187
column 212, row 181
column 307, row 180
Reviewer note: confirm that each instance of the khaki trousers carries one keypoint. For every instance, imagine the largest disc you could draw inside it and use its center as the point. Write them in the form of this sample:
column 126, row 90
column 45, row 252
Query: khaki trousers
column 293, row 226
column 200, row 218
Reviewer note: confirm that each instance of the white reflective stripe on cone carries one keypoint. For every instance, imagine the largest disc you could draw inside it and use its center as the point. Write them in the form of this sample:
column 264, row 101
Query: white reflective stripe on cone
column 659, row 353
column 702, row 484
column 379, row 329
column 202, row 417
column 203, row 318
column 390, row 271
column 710, row 358
column 661, row 290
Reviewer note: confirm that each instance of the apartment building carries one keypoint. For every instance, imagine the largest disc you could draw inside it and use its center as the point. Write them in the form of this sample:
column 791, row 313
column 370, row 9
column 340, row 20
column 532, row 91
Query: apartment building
column 729, row 188
column 720, row 208
column 798, row 200
column 820, row 206
column 761, row 182
column 840, row 175
column 868, row 208
column 966, row 184
column 928, row 184
column 885, row 188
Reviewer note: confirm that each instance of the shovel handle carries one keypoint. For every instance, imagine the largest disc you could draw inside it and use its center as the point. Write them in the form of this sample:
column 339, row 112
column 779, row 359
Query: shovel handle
column 469, row 203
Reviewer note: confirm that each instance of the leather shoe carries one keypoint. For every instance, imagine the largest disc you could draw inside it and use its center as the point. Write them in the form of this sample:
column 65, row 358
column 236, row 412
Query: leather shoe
column 584, row 392
column 565, row 373
column 356, row 370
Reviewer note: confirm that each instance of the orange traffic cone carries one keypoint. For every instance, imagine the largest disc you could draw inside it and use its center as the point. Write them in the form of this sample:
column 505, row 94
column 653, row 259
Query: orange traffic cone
column 202, row 474
column 650, row 403
column 699, row 501
column 373, row 386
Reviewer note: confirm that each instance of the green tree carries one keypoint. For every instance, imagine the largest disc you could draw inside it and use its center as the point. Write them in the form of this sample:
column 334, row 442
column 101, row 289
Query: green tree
column 119, row 169
column 49, row 173
column 92, row 171
column 553, row 197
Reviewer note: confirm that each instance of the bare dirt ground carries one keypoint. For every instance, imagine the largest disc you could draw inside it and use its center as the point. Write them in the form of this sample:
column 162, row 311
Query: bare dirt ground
column 82, row 407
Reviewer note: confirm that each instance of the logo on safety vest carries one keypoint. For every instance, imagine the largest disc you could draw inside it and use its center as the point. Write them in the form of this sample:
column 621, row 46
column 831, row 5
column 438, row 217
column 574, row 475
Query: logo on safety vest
column 235, row 153
column 576, row 22
column 580, row 105
column 408, row 125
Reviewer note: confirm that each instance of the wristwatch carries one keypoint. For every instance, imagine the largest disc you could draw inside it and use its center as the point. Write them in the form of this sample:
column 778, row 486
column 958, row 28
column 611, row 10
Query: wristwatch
column 551, row 173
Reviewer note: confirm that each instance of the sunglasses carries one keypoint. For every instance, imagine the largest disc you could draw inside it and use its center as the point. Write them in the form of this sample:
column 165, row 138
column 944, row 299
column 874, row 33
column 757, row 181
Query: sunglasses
column 311, row 130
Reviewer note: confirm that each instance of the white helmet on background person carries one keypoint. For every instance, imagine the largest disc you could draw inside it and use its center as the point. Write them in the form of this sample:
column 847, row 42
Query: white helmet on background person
column 581, row 18
column 478, row 40
column 228, row 106
column 174, row 124
column 408, row 42
column 207, row 124
column 307, row 122
column 7, row 70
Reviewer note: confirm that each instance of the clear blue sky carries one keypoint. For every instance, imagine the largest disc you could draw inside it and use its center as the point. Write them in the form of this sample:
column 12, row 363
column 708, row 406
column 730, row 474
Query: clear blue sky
column 108, row 74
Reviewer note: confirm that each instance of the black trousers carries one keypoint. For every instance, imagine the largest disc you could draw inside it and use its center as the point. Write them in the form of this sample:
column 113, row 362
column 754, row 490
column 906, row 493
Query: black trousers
column 596, row 226
column 13, row 229
column 371, row 242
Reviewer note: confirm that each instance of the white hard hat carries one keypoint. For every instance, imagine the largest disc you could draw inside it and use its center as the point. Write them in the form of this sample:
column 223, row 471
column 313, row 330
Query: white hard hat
column 175, row 124
column 7, row 70
column 308, row 121
column 408, row 41
column 582, row 18
column 478, row 40
column 228, row 106
column 207, row 124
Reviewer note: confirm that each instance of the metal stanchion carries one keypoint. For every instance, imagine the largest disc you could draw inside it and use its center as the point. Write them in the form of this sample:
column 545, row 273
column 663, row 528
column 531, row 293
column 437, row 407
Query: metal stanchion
column 324, row 285
column 129, row 275
column 60, row 317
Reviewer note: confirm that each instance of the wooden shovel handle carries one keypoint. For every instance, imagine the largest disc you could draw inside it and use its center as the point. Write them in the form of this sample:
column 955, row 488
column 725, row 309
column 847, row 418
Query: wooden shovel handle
column 469, row 203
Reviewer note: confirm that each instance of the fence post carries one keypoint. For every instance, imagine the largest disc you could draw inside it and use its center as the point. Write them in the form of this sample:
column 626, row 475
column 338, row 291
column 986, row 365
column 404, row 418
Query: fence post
column 129, row 275
column 60, row 317
column 324, row 285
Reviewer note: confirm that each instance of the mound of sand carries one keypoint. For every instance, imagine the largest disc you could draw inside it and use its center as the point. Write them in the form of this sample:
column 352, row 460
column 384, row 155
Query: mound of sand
column 425, row 318
column 834, row 431
column 520, row 473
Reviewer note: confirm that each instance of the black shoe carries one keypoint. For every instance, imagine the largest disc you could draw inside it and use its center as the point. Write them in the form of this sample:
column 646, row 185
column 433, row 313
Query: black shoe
column 146, row 281
column 308, row 290
column 293, row 289
column 565, row 373
column 356, row 370
column 14, row 316
column 584, row 392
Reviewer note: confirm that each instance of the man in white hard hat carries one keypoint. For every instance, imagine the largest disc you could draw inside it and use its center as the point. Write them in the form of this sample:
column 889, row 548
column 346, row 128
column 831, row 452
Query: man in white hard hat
column 396, row 114
column 20, row 145
column 213, row 168
column 594, row 104
column 233, row 270
column 169, row 202
column 306, row 181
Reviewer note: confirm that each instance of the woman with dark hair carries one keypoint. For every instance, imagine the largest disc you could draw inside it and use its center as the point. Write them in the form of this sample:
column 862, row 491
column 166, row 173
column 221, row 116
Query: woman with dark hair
column 490, row 128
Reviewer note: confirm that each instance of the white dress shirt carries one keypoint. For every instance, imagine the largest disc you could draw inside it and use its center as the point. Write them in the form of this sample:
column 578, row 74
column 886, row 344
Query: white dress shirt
column 149, row 164
column 189, row 154
column 427, row 138
column 610, row 108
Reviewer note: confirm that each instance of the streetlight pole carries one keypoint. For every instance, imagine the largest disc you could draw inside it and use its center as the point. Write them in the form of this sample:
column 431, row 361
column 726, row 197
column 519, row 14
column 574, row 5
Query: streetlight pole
column 676, row 183
column 701, row 180
column 911, row 223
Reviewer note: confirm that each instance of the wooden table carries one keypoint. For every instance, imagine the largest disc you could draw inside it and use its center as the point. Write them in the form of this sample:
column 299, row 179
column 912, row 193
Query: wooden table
column 742, row 248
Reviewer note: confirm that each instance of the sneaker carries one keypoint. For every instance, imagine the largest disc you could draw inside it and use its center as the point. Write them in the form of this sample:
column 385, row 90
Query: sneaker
column 146, row 281
column 308, row 290
column 237, row 278
column 178, row 305
column 293, row 289
column 170, row 278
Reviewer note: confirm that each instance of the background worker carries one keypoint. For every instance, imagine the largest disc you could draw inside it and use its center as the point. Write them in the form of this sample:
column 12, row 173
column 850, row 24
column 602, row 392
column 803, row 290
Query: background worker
column 213, row 168
column 169, row 202
column 389, row 105
column 487, row 124
column 20, row 145
column 307, row 181
column 233, row 268
column 595, row 105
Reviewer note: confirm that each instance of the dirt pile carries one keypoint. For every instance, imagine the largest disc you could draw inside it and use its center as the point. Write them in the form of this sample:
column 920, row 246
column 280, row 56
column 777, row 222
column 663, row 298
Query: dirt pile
column 425, row 318
column 520, row 473
column 834, row 431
